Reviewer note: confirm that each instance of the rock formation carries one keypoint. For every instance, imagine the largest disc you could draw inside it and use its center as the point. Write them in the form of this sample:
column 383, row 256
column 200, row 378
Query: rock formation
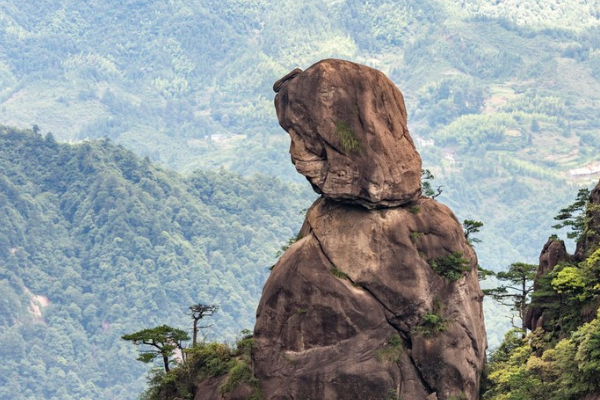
column 349, row 135
column 553, row 253
column 379, row 298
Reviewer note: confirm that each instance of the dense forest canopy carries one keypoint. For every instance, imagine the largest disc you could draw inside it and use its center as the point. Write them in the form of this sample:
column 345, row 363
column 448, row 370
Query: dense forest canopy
column 95, row 242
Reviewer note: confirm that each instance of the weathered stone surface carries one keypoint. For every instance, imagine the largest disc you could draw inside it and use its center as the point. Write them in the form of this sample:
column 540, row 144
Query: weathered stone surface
column 349, row 135
column 553, row 253
column 358, row 280
column 209, row 390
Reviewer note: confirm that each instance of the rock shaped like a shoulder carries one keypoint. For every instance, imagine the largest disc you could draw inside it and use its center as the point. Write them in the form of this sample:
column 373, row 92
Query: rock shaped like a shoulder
column 347, row 311
column 348, row 126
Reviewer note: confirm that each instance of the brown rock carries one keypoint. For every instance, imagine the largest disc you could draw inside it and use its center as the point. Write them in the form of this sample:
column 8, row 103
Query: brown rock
column 342, row 315
column 209, row 390
column 349, row 135
column 553, row 253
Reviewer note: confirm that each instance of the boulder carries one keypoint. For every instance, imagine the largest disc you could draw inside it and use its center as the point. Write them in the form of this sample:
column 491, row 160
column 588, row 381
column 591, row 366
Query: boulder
column 348, row 126
column 354, row 309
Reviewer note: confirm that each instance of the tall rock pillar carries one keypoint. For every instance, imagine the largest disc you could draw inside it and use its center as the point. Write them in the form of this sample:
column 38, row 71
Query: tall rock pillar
column 379, row 298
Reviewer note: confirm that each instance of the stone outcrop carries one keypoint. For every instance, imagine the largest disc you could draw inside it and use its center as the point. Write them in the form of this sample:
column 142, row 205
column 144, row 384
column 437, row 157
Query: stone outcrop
column 553, row 253
column 348, row 308
column 349, row 135
column 354, row 309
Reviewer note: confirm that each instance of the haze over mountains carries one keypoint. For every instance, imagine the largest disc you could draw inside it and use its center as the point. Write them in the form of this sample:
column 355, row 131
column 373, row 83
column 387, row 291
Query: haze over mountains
column 502, row 101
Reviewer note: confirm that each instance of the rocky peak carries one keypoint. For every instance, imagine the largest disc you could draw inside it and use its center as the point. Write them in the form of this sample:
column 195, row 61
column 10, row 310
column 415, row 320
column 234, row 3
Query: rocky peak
column 379, row 298
column 553, row 253
column 349, row 135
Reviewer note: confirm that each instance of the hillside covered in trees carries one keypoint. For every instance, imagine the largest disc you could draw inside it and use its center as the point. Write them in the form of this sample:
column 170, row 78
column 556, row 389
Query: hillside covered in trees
column 188, row 83
column 96, row 242
column 560, row 357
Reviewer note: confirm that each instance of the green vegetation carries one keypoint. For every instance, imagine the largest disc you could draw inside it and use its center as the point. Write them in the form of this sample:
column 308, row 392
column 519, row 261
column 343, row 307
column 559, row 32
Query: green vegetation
column 203, row 361
column 337, row 273
column 561, row 360
column 96, row 243
column 200, row 311
column 426, row 178
column 511, row 83
column 515, row 293
column 433, row 323
column 165, row 340
column 573, row 216
column 392, row 351
column 451, row 267
column 393, row 395
column 416, row 235
column 287, row 245
column 414, row 210
column 568, row 370
column 350, row 143
column 470, row 227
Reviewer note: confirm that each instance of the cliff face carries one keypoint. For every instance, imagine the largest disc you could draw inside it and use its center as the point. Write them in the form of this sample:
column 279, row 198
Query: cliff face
column 379, row 297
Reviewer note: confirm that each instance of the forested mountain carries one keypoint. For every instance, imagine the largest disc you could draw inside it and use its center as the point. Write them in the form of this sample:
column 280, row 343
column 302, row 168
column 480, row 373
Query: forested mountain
column 96, row 243
column 189, row 84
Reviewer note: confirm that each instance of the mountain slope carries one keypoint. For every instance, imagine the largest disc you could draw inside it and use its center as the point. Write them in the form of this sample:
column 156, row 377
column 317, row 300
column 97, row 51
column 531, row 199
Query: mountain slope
column 96, row 243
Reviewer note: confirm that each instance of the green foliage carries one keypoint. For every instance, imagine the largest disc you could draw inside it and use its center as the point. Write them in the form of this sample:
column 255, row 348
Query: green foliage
column 570, row 280
column 426, row 178
column 348, row 140
column 506, row 58
column 287, row 245
column 568, row 370
column 451, row 267
column 203, row 361
column 392, row 351
column 432, row 324
column 337, row 273
column 560, row 361
column 416, row 235
column 517, row 289
column 573, row 216
column 115, row 244
column 470, row 227
column 164, row 339
column 483, row 273
column 240, row 373
column 392, row 395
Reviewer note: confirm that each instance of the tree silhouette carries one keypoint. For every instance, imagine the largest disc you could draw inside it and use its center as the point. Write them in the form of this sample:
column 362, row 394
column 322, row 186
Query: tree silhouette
column 198, row 312
column 165, row 340
column 515, row 293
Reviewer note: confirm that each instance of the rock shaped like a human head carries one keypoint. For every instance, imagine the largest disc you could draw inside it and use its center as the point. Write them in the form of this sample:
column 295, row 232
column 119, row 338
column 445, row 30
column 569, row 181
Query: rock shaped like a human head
column 348, row 126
